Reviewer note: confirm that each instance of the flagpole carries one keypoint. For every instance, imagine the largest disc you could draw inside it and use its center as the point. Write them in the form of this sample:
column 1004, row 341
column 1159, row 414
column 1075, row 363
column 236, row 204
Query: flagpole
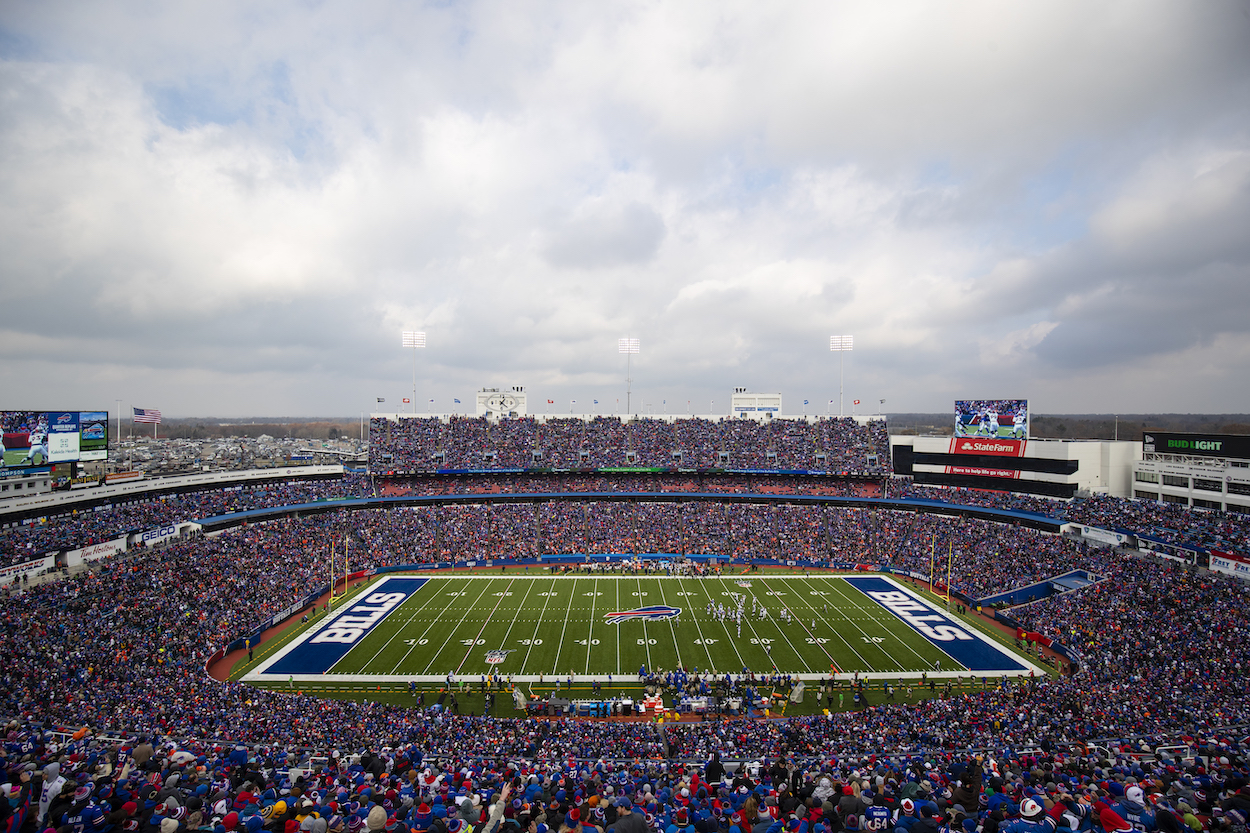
column 330, row 601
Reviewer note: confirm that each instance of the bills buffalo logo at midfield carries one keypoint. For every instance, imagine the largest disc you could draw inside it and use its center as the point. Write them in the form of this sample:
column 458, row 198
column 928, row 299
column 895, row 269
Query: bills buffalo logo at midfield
column 654, row 613
column 497, row 656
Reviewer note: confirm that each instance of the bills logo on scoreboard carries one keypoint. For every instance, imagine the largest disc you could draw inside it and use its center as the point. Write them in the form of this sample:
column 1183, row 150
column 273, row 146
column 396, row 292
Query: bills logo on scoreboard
column 654, row 613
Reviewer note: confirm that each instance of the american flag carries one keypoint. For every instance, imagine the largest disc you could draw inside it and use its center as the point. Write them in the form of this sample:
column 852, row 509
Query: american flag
column 148, row 415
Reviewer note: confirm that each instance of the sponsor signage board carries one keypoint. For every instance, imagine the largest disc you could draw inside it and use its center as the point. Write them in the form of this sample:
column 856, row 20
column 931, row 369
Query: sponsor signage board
column 1230, row 564
column 35, row 566
column 95, row 552
column 986, row 447
column 152, row 537
column 1236, row 446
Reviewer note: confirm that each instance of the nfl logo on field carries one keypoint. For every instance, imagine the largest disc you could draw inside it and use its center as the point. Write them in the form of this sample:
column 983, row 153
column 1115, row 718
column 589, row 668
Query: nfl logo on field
column 497, row 656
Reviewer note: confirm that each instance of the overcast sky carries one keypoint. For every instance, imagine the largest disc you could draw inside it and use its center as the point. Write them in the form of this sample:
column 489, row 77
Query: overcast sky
column 234, row 209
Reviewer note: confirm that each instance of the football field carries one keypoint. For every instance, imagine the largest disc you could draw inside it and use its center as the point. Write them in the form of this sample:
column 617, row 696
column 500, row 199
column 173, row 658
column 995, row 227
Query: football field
column 534, row 627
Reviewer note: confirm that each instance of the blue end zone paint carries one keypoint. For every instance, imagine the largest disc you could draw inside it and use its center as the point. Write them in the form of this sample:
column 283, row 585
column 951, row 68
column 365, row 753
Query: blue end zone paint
column 309, row 657
column 963, row 645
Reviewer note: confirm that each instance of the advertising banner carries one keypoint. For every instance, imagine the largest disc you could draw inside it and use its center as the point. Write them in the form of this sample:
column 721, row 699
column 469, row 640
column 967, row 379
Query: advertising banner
column 993, row 448
column 160, row 535
column 1235, row 446
column 94, row 552
column 63, row 435
column 7, row 574
column 982, row 472
column 93, row 439
column 1103, row 536
column 1229, row 564
column 986, row 447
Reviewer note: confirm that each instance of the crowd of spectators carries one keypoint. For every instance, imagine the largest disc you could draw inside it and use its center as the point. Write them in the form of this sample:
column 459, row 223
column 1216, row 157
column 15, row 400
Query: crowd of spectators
column 1172, row 524
column 84, row 527
column 148, row 781
column 1162, row 655
column 838, row 444
column 122, row 649
column 789, row 533
column 982, row 557
column 1162, row 649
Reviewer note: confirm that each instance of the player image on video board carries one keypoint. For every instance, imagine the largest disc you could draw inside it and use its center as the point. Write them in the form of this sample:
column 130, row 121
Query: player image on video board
column 25, row 438
column 999, row 418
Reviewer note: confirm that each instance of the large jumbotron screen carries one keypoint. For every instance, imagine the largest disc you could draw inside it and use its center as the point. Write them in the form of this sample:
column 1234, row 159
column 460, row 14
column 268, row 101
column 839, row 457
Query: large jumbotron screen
column 41, row 438
column 1002, row 418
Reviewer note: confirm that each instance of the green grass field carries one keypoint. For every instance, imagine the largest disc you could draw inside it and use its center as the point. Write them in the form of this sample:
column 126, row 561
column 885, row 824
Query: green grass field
column 554, row 626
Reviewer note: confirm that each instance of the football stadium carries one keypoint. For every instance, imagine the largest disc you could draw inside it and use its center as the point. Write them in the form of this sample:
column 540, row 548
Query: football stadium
column 884, row 465
column 449, row 625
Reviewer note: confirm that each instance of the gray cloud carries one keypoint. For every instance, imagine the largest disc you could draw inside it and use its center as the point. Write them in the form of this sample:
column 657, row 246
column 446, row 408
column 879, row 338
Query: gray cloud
column 604, row 237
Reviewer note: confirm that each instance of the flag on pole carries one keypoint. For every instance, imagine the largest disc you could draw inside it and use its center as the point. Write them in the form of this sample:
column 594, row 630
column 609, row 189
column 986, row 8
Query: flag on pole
column 805, row 402
column 457, row 401
column 148, row 415
column 596, row 401
column 407, row 400
column 551, row 402
column 856, row 401
column 381, row 398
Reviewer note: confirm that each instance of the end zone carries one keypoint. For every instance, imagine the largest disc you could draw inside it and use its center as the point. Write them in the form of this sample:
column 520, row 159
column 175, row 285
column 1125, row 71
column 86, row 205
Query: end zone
column 965, row 645
column 315, row 652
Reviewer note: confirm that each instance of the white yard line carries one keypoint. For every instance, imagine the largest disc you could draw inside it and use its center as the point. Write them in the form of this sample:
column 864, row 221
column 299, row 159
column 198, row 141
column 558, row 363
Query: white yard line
column 537, row 625
column 591, row 631
column 694, row 619
column 838, row 582
column 467, row 611
column 646, row 639
column 810, row 633
column 400, row 630
column 560, row 645
column 482, row 630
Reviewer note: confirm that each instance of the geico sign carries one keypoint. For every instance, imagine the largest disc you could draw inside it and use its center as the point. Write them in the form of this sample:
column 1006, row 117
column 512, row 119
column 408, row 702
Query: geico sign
column 162, row 532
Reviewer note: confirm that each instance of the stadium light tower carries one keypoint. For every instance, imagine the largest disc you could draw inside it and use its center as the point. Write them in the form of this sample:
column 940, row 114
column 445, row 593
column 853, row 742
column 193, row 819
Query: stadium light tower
column 414, row 340
column 841, row 345
column 628, row 346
